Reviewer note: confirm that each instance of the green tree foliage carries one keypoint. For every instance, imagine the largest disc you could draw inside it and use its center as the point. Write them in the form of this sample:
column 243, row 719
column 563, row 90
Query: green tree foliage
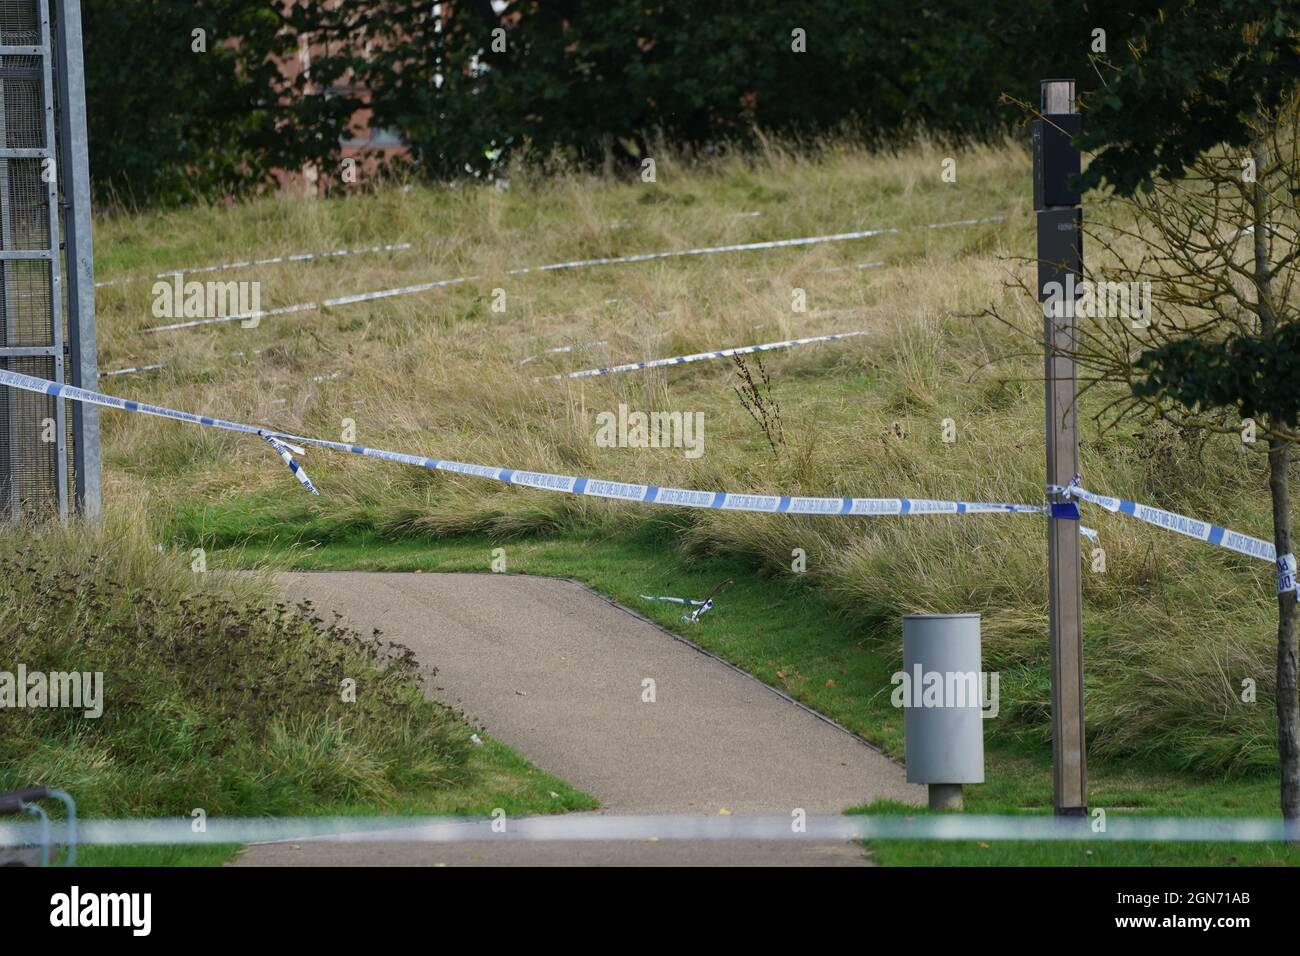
column 1202, row 76
column 1198, row 124
column 590, row 79
column 469, row 86
column 1182, row 78
column 170, row 124
column 1255, row 375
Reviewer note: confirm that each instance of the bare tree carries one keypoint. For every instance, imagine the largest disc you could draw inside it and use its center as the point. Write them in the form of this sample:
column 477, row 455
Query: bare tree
column 1189, row 303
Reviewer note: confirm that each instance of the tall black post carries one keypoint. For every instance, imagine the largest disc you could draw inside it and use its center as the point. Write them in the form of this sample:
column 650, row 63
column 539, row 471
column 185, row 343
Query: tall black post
column 1060, row 267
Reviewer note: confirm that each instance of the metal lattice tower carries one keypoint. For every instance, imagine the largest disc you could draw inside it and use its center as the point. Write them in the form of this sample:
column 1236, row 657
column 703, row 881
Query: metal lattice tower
column 49, row 452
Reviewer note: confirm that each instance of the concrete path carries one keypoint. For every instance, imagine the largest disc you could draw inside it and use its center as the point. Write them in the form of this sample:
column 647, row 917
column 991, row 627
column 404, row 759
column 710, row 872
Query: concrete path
column 557, row 672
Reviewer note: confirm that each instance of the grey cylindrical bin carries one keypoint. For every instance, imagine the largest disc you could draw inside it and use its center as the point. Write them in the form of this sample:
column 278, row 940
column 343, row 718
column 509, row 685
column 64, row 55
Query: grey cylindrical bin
column 943, row 721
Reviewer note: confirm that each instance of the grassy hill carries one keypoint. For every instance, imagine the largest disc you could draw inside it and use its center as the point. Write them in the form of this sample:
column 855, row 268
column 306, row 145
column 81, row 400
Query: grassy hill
column 1173, row 627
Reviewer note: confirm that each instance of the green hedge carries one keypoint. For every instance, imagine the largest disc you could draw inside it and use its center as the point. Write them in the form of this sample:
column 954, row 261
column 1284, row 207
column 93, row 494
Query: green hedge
column 593, row 80
column 589, row 81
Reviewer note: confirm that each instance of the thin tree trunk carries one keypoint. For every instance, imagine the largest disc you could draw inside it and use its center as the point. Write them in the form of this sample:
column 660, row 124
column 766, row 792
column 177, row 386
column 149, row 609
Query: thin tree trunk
column 1288, row 702
column 1279, row 460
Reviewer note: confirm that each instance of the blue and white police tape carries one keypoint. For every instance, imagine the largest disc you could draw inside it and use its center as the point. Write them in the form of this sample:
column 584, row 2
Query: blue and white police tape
column 558, row 266
column 700, row 356
column 287, row 452
column 672, row 600
column 29, row 383
column 685, row 497
column 42, row 386
column 132, row 371
column 274, row 260
column 566, row 484
column 1286, row 574
column 562, row 350
column 312, row 306
column 1172, row 521
column 695, row 615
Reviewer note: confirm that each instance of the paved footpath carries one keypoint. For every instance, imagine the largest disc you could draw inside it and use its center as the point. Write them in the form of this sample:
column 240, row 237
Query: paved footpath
column 556, row 671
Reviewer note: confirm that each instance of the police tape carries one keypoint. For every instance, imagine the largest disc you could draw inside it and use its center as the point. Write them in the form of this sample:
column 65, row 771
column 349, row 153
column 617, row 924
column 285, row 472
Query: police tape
column 138, row 370
column 657, row 495
column 135, row 370
column 286, row 452
column 1172, row 521
column 244, row 316
column 42, row 386
column 699, row 357
column 571, row 264
column 250, row 263
column 562, row 350
column 566, row 484
column 1286, row 574
column 689, row 602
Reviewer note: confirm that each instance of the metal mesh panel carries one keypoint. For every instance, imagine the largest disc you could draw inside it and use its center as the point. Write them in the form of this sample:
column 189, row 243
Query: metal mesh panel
column 28, row 463
column 33, row 428
column 24, row 102
column 25, row 314
column 19, row 25
column 66, row 311
column 24, row 205
column 69, row 446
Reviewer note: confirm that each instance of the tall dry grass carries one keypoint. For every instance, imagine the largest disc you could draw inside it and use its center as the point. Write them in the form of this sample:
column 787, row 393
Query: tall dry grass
column 1173, row 627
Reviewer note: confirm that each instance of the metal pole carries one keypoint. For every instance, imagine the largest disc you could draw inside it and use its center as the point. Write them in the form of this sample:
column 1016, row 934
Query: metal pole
column 11, row 468
column 74, row 171
column 56, row 270
column 1060, row 261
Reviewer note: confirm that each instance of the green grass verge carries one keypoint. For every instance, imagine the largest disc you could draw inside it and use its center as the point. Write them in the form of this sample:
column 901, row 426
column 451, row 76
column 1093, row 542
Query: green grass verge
column 207, row 693
column 497, row 778
column 794, row 638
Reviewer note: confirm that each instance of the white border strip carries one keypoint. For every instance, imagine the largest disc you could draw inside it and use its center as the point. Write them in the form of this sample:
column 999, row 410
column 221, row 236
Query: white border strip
column 592, row 826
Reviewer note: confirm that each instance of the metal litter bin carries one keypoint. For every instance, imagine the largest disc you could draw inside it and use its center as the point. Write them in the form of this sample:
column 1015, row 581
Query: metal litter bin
column 943, row 704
